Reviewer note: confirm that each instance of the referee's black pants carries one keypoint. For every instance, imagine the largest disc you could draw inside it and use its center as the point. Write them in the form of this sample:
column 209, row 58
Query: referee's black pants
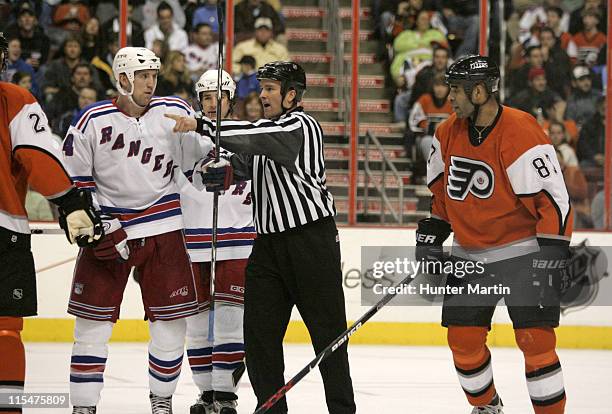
column 298, row 267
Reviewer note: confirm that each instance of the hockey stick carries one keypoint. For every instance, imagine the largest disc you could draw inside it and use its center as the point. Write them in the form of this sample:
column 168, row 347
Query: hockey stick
column 339, row 341
column 47, row 231
column 215, row 227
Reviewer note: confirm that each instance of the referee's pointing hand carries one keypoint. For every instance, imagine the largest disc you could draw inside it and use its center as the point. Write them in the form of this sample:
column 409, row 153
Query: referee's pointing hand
column 183, row 123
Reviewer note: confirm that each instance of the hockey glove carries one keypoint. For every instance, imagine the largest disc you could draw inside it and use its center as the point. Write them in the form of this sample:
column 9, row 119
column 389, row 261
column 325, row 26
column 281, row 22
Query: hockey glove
column 430, row 235
column 217, row 176
column 114, row 244
column 550, row 271
column 78, row 218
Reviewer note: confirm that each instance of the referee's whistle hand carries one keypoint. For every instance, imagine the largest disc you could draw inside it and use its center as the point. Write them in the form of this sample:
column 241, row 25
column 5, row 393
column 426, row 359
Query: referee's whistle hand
column 182, row 123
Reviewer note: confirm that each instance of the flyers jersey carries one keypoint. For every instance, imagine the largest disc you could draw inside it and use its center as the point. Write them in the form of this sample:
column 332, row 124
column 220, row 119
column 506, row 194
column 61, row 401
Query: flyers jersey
column 29, row 155
column 501, row 195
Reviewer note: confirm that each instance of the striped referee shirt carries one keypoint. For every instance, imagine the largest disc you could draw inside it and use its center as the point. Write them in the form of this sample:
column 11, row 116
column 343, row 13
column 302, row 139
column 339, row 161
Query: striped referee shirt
column 284, row 158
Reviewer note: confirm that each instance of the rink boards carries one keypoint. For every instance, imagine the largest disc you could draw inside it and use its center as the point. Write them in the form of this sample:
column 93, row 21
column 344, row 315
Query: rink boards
column 397, row 325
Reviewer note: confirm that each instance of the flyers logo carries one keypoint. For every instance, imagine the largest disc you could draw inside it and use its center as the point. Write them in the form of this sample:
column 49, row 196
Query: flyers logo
column 469, row 176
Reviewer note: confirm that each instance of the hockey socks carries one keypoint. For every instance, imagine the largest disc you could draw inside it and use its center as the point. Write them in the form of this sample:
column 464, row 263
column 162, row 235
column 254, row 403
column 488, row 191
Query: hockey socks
column 542, row 369
column 165, row 355
column 473, row 363
column 88, row 361
column 12, row 369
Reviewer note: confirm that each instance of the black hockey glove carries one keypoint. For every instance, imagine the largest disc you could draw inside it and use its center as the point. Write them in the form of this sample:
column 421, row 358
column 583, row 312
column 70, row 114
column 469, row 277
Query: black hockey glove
column 430, row 235
column 217, row 176
column 550, row 266
column 78, row 218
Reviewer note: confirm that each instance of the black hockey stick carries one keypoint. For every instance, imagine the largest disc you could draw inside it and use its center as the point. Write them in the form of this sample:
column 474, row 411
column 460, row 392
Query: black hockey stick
column 337, row 343
column 215, row 227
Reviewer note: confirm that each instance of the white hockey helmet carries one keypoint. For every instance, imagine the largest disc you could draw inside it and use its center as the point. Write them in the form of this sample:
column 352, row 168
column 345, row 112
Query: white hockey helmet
column 131, row 59
column 208, row 82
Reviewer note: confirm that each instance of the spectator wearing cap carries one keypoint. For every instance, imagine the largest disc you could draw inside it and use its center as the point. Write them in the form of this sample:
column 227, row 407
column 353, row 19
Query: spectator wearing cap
column 35, row 44
column 71, row 16
column 247, row 82
column 518, row 78
column 207, row 14
column 582, row 102
column 556, row 63
column 533, row 99
column 166, row 30
column 262, row 47
column 592, row 142
column 248, row 12
column 590, row 40
column 203, row 53
column 537, row 15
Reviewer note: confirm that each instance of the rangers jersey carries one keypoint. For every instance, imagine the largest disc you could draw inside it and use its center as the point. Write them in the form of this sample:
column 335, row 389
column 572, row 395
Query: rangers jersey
column 502, row 194
column 129, row 163
column 236, row 231
column 30, row 155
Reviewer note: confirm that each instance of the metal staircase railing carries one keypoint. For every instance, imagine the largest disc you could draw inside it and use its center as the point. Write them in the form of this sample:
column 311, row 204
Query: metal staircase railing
column 386, row 164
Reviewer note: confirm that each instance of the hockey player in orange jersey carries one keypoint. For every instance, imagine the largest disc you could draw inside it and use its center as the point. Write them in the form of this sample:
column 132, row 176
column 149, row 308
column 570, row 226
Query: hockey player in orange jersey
column 497, row 185
column 29, row 156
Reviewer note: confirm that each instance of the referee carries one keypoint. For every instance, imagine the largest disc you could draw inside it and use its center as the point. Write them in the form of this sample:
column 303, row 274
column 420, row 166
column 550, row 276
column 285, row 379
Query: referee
column 296, row 256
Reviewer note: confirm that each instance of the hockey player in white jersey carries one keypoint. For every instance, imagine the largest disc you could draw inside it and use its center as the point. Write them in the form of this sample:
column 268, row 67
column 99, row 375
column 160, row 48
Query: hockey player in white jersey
column 125, row 152
column 214, row 364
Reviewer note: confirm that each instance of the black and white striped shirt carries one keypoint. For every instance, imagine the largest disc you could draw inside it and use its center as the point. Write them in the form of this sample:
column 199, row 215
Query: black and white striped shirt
column 285, row 160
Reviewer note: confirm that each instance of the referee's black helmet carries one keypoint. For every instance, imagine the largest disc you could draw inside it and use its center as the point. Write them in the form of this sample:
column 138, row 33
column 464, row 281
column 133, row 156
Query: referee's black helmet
column 289, row 74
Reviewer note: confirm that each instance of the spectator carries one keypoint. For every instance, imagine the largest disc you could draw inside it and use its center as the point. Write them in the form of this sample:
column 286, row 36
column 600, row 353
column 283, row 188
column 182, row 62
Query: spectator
column 135, row 32
column 553, row 20
column 423, row 81
column 461, row 19
column 253, row 109
column 582, row 102
column 15, row 64
column 92, row 40
column 554, row 111
column 160, row 48
column 71, row 16
column 592, row 142
column 35, row 44
column 247, row 82
column 556, row 63
column 207, row 14
column 538, row 15
column 147, row 13
column 263, row 47
column 58, row 73
column 405, row 17
column 248, row 12
column 23, row 79
column 427, row 113
column 590, row 40
column 67, row 98
column 87, row 96
column 415, row 45
column 533, row 99
column 174, row 77
column 598, row 211
column 203, row 53
column 166, row 30
column 518, row 78
column 576, row 21
column 575, row 181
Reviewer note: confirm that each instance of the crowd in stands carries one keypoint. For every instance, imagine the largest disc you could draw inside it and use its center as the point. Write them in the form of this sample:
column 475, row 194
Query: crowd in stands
column 62, row 51
column 554, row 69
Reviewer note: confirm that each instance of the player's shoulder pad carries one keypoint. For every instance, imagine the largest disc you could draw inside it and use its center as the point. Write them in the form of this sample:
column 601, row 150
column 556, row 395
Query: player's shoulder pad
column 521, row 132
column 17, row 97
column 447, row 127
column 91, row 111
column 172, row 102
